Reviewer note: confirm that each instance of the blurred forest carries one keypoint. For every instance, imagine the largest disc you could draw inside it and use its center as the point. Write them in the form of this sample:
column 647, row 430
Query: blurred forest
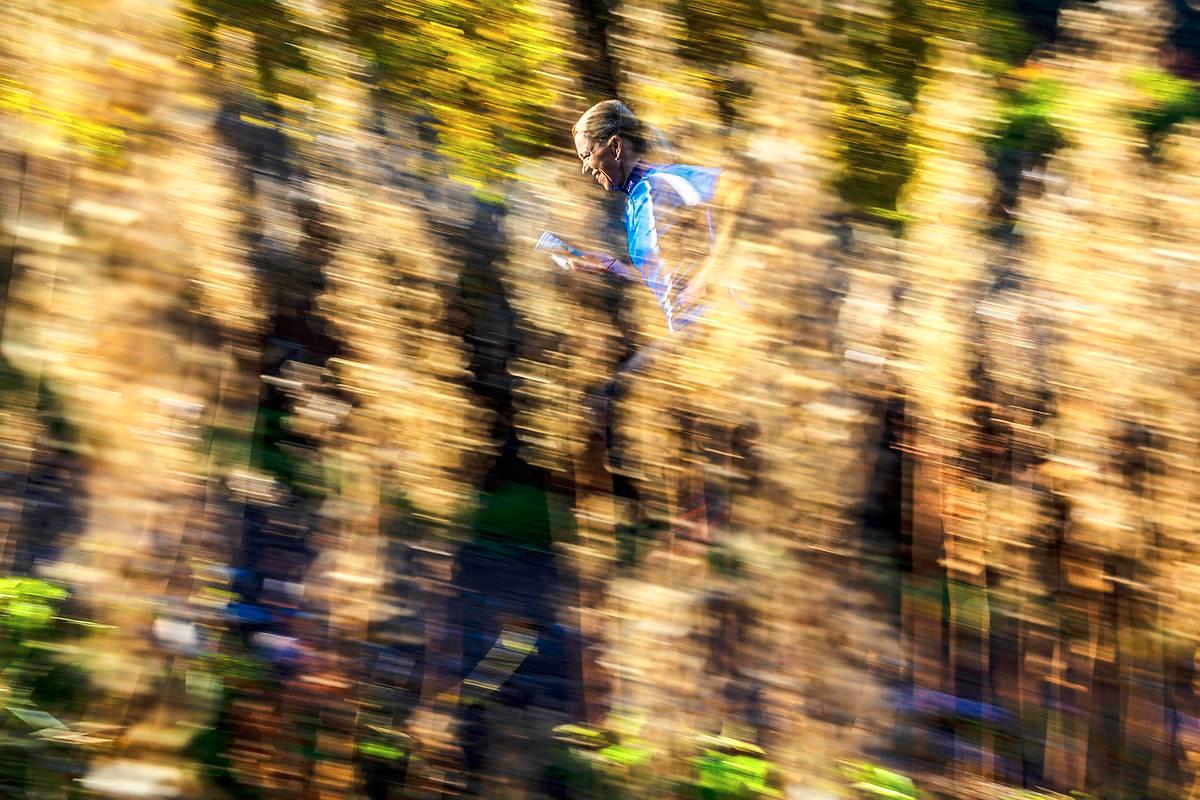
column 297, row 493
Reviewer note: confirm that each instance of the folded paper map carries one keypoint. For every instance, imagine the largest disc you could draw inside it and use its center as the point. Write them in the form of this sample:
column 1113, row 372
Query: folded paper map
column 557, row 248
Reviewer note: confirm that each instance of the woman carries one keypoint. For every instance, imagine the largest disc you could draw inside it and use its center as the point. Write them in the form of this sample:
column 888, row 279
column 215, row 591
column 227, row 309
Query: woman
column 669, row 226
column 668, row 221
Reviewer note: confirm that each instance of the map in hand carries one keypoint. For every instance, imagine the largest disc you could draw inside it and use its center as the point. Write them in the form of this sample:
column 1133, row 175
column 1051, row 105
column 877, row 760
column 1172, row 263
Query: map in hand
column 557, row 248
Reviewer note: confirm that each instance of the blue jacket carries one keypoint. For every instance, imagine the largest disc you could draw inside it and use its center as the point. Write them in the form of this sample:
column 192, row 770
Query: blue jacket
column 655, row 196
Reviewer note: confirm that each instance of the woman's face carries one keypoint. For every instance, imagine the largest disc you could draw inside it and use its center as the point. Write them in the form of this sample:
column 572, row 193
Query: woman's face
column 601, row 160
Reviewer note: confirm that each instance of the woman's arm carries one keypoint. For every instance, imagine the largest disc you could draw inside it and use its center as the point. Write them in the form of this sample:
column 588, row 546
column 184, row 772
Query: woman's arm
column 598, row 262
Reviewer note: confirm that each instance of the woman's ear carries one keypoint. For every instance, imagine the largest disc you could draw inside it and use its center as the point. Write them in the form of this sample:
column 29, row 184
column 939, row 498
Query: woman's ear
column 618, row 146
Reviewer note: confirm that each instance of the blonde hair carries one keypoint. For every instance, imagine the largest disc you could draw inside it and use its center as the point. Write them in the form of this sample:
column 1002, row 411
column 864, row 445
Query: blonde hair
column 612, row 118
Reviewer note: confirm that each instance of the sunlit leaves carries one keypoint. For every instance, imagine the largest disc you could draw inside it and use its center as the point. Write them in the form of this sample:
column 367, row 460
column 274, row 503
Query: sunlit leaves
column 875, row 68
column 716, row 37
column 1028, row 118
column 1164, row 101
column 483, row 71
column 874, row 159
column 275, row 36
column 27, row 605
column 100, row 141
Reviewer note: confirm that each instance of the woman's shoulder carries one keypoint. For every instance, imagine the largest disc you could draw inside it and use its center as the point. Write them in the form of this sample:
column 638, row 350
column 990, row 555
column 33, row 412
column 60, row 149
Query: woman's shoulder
column 680, row 184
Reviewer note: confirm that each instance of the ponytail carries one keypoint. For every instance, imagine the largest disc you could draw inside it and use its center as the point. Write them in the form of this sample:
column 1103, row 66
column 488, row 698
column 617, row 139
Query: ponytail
column 658, row 143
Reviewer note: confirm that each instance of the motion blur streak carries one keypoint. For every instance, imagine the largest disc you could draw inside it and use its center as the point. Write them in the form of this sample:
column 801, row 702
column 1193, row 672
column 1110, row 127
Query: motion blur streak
column 315, row 483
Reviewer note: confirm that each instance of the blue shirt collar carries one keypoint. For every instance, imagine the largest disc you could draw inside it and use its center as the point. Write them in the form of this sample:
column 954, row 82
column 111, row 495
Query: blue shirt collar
column 635, row 176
